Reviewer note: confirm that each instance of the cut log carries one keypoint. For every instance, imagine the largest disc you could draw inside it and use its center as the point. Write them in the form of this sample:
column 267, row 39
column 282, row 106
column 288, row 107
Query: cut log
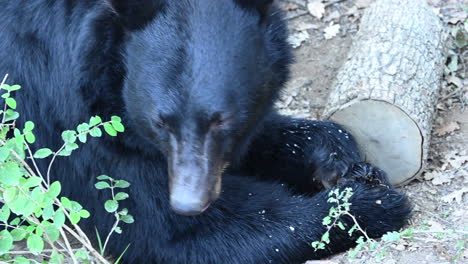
column 385, row 93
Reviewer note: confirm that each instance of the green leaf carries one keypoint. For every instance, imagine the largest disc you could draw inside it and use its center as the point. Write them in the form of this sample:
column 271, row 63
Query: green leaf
column 121, row 184
column 43, row 153
column 11, row 115
column 104, row 177
column 127, row 219
column 82, row 254
column 95, row 120
column 118, row 230
column 326, row 237
column 32, row 182
column 55, row 189
column 110, row 130
column 96, row 132
column 30, row 138
column 391, row 236
column 11, row 88
column 59, row 218
column 28, row 126
column 111, row 205
column 76, row 206
column 65, row 202
column 4, row 214
column 11, row 102
column 71, row 146
column 118, row 126
column 82, row 128
column 48, row 212
column 84, row 213
column 341, row 226
column 326, row 221
column 101, row 185
column 74, row 217
column 121, row 196
column 83, row 138
column 19, row 233
column 116, row 119
column 15, row 221
column 9, row 194
column 35, row 244
column 4, row 154
column 123, row 211
column 22, row 205
column 56, row 258
column 64, row 153
column 6, row 241
column 69, row 136
column 10, row 173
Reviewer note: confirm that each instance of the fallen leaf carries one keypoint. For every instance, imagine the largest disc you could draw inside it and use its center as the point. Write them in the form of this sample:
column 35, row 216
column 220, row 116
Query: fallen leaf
column 437, row 177
column 447, row 128
column 455, row 80
column 298, row 38
column 362, row 3
column 455, row 159
column 305, row 26
column 331, row 31
column 332, row 16
column 291, row 7
column 320, row 262
column 316, row 8
column 435, row 226
column 456, row 195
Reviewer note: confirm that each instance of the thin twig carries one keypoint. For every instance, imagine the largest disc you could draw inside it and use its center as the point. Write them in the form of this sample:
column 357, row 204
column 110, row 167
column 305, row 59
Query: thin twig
column 52, row 162
column 4, row 107
column 67, row 243
column 110, row 233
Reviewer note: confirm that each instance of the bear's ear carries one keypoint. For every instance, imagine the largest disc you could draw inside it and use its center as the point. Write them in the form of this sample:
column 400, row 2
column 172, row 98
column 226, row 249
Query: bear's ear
column 262, row 6
column 135, row 14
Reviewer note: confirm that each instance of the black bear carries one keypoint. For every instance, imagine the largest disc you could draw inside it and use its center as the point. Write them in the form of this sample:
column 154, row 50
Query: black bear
column 217, row 175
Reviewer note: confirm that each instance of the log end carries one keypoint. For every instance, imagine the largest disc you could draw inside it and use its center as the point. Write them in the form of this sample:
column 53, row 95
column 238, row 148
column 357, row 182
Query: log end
column 388, row 138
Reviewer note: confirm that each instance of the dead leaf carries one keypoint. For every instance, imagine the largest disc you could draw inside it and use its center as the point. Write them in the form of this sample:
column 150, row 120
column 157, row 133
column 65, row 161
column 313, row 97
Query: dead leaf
column 320, row 262
column 447, row 128
column 435, row 226
column 291, row 7
column 332, row 16
column 455, row 159
column 362, row 3
column 316, row 8
column 298, row 38
column 437, row 177
column 456, row 195
column 331, row 31
column 306, row 26
column 455, row 80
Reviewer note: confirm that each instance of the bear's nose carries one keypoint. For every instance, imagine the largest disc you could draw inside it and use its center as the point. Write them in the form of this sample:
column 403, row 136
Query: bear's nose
column 188, row 208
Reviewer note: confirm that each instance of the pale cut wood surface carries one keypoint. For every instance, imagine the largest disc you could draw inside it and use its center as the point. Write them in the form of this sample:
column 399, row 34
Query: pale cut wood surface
column 385, row 93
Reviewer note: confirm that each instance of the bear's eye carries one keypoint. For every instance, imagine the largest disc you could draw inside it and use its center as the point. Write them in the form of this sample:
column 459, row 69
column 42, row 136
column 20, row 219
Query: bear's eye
column 217, row 124
column 161, row 124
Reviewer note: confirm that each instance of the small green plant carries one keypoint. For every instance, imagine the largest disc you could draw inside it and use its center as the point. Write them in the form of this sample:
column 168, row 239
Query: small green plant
column 341, row 208
column 33, row 208
column 112, row 205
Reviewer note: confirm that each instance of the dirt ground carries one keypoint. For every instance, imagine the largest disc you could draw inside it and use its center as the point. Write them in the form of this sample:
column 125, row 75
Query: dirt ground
column 440, row 194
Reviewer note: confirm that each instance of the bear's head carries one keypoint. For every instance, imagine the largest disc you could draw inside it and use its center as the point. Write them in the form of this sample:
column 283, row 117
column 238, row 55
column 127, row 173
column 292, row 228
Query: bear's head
column 201, row 77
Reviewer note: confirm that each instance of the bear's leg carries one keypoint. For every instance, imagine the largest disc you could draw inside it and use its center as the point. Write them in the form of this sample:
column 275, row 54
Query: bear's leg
column 308, row 155
column 261, row 222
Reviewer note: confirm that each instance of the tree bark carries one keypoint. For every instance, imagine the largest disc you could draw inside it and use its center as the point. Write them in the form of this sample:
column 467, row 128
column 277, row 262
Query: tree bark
column 385, row 93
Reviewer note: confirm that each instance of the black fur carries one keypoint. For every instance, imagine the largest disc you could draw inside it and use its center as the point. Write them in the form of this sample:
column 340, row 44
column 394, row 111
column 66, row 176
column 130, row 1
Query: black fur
column 200, row 72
